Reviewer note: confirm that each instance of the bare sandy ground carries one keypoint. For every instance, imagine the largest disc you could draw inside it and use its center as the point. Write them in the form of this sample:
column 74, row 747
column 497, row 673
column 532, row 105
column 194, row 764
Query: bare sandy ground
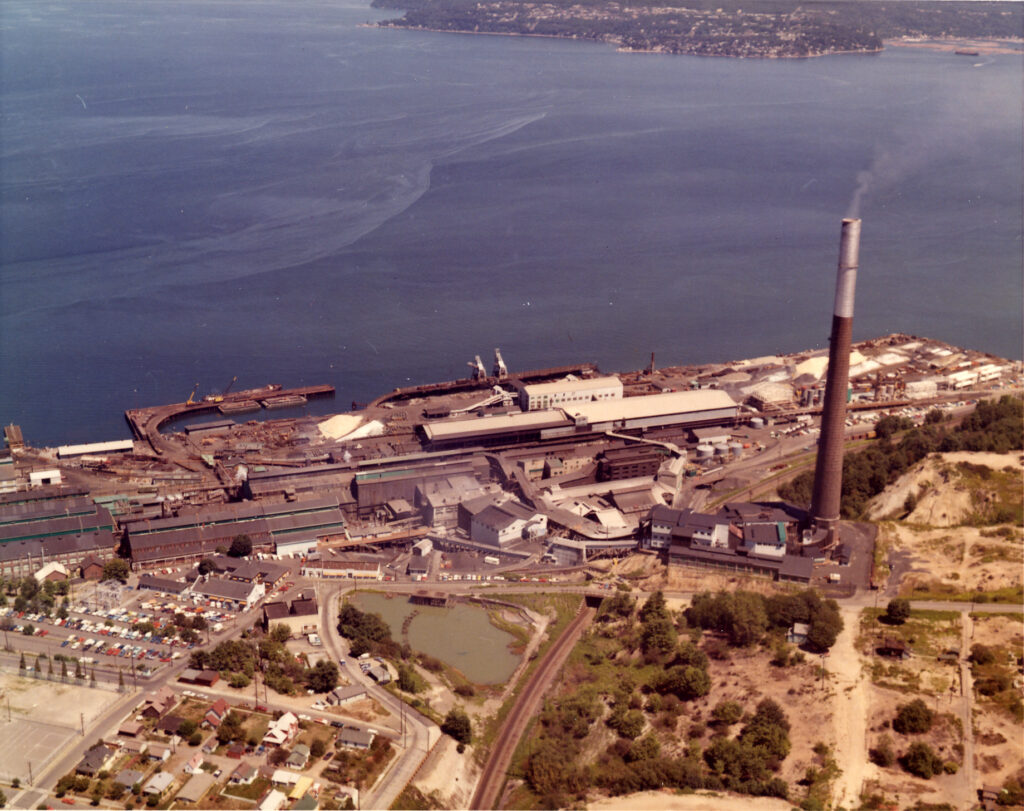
column 984, row 47
column 942, row 502
column 702, row 801
column 850, row 716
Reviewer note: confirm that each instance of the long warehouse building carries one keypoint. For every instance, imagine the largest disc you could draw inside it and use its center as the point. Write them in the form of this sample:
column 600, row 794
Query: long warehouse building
column 704, row 407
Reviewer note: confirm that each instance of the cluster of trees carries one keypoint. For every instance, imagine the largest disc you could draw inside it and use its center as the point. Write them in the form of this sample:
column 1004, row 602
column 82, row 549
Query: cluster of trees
column 992, row 426
column 238, row 659
column 457, row 724
column 745, row 763
column 27, row 594
column 367, row 633
column 744, row 616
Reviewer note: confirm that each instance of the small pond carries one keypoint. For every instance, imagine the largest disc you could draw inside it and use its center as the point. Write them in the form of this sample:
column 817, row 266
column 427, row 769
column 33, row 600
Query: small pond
column 461, row 635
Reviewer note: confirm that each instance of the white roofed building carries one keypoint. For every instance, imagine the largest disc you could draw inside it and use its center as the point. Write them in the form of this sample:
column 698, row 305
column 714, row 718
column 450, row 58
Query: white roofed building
column 570, row 391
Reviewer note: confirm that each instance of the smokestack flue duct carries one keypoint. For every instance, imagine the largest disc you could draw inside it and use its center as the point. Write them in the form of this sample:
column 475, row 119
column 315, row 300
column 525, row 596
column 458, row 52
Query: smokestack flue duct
column 828, row 473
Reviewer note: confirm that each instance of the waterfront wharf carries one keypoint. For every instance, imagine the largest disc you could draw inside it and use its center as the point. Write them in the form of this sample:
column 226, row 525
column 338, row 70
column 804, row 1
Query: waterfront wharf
column 146, row 422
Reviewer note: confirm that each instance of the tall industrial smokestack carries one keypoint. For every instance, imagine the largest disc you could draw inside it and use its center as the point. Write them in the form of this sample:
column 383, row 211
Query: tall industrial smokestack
column 828, row 474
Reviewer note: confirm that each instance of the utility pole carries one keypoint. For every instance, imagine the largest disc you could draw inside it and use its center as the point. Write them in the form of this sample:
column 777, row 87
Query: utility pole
column 30, row 780
column 81, row 720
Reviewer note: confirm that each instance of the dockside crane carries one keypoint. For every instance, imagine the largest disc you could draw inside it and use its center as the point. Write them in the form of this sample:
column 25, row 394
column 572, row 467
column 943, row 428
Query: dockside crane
column 477, row 365
column 192, row 397
column 500, row 370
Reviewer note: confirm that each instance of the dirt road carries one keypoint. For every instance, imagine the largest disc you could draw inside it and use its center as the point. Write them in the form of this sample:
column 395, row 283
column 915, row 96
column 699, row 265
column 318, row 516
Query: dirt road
column 851, row 709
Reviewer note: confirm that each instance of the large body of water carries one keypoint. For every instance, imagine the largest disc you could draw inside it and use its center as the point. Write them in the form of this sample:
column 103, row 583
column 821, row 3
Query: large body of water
column 191, row 191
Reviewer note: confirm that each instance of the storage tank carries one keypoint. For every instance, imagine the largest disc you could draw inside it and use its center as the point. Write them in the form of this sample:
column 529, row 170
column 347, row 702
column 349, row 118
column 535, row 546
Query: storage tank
column 705, row 451
column 722, row 450
column 736, row 449
column 756, row 422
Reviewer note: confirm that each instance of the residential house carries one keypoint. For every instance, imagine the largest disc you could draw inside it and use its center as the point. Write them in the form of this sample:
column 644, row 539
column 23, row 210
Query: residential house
column 299, row 757
column 891, row 646
column 96, row 760
column 274, row 801
column 216, row 713
column 355, row 738
column 195, row 764
column 130, row 729
column 282, row 731
column 159, row 752
column 307, row 802
column 158, row 783
column 195, row 789
column 135, row 746
column 236, row 750
column 300, row 789
column 243, row 774
column 203, row 678
column 158, row 704
column 170, row 724
column 129, row 777
column 283, row 777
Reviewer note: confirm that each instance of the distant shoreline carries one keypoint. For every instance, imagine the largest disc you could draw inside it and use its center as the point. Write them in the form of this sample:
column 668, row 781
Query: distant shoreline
column 618, row 48
column 985, row 47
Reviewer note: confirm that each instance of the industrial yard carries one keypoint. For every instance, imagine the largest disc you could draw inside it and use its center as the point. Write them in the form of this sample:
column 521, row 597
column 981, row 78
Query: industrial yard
column 566, row 481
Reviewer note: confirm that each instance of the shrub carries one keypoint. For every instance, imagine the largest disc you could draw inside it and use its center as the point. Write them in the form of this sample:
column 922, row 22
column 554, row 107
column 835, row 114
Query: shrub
column 982, row 654
column 882, row 755
column 898, row 611
column 921, row 761
column 457, row 724
column 727, row 712
column 913, row 718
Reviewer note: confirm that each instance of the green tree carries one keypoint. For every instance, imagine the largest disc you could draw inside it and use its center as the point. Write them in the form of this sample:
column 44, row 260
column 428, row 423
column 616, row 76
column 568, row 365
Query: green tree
column 658, row 636
column 408, row 679
column 921, row 760
column 323, row 677
column 280, row 633
column 63, row 670
column 187, row 727
column 913, row 718
column 116, row 569
column 241, row 546
column 21, row 664
column 457, row 725
column 647, row 748
column 768, row 729
column 727, row 712
column 206, row 566
column 685, row 681
column 317, row 748
column 897, row 611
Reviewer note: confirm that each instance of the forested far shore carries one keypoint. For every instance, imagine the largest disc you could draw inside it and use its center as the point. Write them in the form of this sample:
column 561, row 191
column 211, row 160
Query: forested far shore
column 765, row 28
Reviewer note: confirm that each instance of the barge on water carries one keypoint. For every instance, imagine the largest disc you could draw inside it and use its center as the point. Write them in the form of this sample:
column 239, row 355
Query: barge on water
column 239, row 407
column 285, row 401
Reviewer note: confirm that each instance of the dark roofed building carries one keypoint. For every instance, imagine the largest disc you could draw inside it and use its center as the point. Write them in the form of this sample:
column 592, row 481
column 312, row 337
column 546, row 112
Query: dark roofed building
column 162, row 584
column 95, row 760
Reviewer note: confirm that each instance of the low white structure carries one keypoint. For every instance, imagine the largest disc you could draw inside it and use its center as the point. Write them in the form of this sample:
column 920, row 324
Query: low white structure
column 41, row 478
column 571, row 391
column 274, row 801
column 116, row 446
column 501, row 524
column 52, row 571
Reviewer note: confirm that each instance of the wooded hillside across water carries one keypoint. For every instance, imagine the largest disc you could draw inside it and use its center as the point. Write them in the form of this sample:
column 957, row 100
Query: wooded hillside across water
column 765, row 28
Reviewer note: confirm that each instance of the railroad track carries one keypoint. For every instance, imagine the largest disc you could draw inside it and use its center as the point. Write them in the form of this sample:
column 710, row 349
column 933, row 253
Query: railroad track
column 507, row 739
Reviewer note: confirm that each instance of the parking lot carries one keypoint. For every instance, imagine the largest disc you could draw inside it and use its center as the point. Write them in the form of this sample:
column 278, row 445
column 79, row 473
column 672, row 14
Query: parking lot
column 43, row 717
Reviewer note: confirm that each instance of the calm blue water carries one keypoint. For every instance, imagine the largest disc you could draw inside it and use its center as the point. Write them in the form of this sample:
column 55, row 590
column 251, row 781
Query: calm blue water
column 191, row 191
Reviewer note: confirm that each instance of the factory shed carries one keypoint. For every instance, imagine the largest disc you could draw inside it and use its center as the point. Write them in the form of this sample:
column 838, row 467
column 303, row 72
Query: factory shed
column 494, row 429
column 656, row 410
column 117, row 446
column 570, row 391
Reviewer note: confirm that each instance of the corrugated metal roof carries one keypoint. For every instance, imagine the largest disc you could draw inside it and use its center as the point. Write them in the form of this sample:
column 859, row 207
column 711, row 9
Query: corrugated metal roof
column 653, row 405
column 500, row 424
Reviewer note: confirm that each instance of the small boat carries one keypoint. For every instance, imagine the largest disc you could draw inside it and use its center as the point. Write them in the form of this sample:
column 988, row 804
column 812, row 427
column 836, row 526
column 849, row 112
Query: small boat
column 967, row 53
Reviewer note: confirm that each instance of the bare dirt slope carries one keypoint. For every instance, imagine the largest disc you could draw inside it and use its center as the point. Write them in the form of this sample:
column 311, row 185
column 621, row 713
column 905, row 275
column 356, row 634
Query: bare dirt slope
column 945, row 496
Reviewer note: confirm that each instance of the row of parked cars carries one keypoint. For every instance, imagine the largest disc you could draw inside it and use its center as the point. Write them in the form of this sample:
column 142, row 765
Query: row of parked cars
column 118, row 649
